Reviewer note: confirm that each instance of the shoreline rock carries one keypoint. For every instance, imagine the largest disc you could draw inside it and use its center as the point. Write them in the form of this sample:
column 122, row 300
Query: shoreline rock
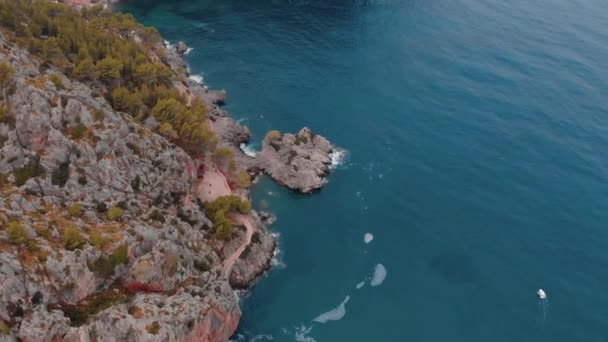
column 300, row 162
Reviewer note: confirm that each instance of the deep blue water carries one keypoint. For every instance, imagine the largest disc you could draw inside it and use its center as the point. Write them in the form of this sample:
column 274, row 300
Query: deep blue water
column 478, row 140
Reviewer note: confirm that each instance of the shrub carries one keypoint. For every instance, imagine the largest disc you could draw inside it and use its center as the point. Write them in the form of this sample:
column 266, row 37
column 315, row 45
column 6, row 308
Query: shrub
column 153, row 328
column 5, row 330
column 114, row 214
column 75, row 210
column 157, row 216
column 243, row 180
column 201, row 265
column 101, row 207
column 57, row 81
column 61, row 174
column 78, row 131
column 102, row 267
column 135, row 183
column 31, row 170
column 120, row 255
column 17, row 234
column 219, row 210
column 255, row 238
column 273, row 135
column 244, row 207
column 98, row 115
column 97, row 240
column 72, row 239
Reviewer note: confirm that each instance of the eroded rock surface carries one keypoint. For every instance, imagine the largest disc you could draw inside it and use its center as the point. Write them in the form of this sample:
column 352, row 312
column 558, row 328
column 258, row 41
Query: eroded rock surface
column 301, row 161
column 100, row 236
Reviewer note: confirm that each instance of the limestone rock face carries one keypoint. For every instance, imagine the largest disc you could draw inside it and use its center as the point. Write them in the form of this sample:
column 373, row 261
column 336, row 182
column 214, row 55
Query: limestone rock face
column 300, row 162
column 100, row 238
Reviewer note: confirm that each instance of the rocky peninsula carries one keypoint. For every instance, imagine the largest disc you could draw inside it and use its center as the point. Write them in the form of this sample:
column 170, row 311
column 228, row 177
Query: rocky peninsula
column 124, row 209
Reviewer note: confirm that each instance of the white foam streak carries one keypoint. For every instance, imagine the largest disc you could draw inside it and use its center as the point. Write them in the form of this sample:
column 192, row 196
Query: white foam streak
column 360, row 284
column 301, row 334
column 196, row 78
column 338, row 157
column 379, row 275
column 334, row 314
column 248, row 150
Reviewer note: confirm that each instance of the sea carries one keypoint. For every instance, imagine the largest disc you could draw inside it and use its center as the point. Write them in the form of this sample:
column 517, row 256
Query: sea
column 474, row 169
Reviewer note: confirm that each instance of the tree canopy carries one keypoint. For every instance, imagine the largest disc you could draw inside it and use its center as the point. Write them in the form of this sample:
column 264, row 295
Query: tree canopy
column 112, row 51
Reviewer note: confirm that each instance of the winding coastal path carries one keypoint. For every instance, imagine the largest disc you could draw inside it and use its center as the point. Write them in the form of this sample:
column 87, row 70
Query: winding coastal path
column 213, row 185
column 246, row 221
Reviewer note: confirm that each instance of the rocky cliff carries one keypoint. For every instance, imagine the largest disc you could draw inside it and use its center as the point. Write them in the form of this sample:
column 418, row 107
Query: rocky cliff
column 105, row 234
column 102, row 237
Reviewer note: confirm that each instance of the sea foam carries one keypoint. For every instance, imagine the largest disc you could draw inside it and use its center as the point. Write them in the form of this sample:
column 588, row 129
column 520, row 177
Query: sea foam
column 196, row 78
column 248, row 150
column 301, row 334
column 338, row 157
column 379, row 275
column 368, row 237
column 334, row 314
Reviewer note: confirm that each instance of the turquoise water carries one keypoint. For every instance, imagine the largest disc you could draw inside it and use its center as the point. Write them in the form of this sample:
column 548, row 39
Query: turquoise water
column 478, row 141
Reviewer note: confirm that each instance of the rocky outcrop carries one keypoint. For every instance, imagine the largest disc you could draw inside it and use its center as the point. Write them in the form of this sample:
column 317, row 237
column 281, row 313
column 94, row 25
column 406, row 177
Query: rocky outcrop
column 300, row 162
column 181, row 48
column 255, row 259
column 99, row 236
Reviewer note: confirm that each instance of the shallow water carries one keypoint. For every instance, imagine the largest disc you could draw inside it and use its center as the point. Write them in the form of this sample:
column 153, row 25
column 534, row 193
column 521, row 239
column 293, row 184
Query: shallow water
column 477, row 133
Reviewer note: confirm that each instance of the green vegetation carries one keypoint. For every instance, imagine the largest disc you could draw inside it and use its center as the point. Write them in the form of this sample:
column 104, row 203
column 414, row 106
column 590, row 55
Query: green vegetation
column 104, row 265
column 97, row 240
column 157, row 216
column 5, row 330
column 219, row 211
column 57, row 81
column 120, row 255
column 72, row 239
column 78, row 131
column 114, row 214
column 17, row 234
column 273, row 135
column 80, row 313
column 243, row 179
column 111, row 49
column 31, row 170
column 201, row 265
column 61, row 174
column 153, row 328
column 75, row 210
column 6, row 78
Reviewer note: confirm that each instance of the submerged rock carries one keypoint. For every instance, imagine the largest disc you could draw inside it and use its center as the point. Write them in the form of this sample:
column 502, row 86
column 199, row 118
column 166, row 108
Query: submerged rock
column 300, row 162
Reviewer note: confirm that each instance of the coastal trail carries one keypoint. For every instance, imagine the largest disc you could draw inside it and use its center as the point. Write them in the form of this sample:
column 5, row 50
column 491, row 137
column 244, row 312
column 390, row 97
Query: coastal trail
column 212, row 185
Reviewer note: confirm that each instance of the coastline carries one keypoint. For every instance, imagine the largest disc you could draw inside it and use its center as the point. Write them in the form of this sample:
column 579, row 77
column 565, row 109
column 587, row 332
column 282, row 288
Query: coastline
column 231, row 134
column 167, row 252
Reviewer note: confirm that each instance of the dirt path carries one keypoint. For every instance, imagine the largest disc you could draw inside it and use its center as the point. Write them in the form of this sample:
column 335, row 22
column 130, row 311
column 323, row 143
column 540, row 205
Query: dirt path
column 246, row 221
column 213, row 185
